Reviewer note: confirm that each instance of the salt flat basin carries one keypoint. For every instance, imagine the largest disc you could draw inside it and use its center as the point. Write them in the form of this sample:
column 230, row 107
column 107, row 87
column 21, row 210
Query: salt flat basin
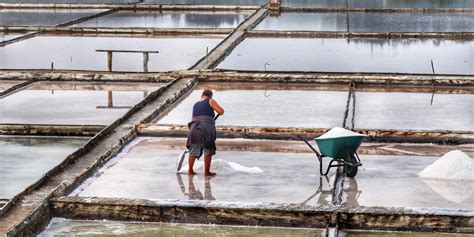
column 379, row 3
column 147, row 170
column 60, row 227
column 353, row 55
column 271, row 108
column 370, row 22
column 71, row 1
column 4, row 37
column 70, row 103
column 25, row 159
column 372, row 233
column 80, row 53
column 42, row 17
column 377, row 110
column 392, row 181
column 167, row 20
column 208, row 2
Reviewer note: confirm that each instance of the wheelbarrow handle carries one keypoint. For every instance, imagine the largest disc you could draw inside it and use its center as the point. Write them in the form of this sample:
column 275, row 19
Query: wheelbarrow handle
column 310, row 146
column 217, row 116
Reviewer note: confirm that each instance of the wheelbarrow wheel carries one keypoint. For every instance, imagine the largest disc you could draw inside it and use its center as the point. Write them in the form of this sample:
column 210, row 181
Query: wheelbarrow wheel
column 351, row 171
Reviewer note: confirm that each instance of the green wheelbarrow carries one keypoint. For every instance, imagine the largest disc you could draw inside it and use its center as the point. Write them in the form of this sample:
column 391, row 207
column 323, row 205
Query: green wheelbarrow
column 342, row 149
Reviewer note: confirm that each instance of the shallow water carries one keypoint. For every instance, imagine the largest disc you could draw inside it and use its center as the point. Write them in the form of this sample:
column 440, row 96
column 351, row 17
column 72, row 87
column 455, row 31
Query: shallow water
column 167, row 20
column 50, row 104
column 353, row 55
column 379, row 3
column 61, row 227
column 80, row 53
column 286, row 177
column 23, row 160
column 4, row 37
column 414, row 111
column 272, row 108
column 41, row 17
column 392, row 181
column 370, row 22
column 350, row 233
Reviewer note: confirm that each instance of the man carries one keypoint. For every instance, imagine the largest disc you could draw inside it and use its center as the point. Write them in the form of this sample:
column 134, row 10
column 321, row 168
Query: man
column 202, row 132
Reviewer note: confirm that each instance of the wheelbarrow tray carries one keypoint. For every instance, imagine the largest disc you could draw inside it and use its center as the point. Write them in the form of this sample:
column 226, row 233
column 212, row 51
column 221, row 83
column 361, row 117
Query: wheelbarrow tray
column 339, row 147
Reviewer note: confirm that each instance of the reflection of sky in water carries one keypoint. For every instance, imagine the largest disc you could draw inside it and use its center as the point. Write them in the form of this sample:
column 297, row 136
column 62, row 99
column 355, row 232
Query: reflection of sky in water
column 154, row 177
column 167, row 20
column 414, row 111
column 197, row 2
column 380, row 3
column 371, row 22
column 68, row 106
column 4, row 37
column 272, row 108
column 41, row 17
column 65, row 227
column 353, row 55
column 79, row 53
column 26, row 159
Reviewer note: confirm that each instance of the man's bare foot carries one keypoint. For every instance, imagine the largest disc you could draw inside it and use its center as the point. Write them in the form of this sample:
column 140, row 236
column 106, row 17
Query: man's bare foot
column 191, row 172
column 209, row 174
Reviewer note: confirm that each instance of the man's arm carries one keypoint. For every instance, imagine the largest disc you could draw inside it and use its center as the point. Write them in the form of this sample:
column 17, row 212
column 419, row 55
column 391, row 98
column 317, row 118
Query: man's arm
column 216, row 107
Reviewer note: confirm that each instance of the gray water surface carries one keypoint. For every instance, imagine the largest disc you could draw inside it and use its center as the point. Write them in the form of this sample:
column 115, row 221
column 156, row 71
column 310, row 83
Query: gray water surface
column 167, row 20
column 42, row 17
column 66, row 227
column 62, row 106
column 379, row 3
column 370, row 22
column 23, row 160
column 80, row 53
column 353, row 55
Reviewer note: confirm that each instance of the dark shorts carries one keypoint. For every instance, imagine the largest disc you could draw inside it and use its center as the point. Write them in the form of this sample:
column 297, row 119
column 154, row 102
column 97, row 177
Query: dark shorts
column 198, row 150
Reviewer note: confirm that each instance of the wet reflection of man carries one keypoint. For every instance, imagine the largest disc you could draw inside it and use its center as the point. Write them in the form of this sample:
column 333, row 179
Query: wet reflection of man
column 193, row 193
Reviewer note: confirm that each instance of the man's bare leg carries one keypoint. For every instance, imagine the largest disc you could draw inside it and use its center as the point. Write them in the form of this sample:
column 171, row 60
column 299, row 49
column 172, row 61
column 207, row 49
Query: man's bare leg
column 191, row 160
column 207, row 165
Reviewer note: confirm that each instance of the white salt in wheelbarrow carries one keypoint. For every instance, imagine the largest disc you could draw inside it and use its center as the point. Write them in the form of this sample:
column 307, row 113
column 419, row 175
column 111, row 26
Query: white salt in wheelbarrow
column 341, row 145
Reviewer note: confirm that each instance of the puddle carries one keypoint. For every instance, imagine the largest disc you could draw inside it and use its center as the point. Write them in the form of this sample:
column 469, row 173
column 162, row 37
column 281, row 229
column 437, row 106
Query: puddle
column 25, row 159
column 286, row 177
column 60, row 227
column 60, row 103
column 80, row 53
column 370, row 22
column 42, row 17
column 167, row 20
column 271, row 108
column 379, row 3
column 353, row 55
column 414, row 111
column 365, row 233
column 392, row 181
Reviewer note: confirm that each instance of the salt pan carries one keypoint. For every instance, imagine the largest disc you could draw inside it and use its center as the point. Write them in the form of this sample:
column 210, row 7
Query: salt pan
column 339, row 132
column 222, row 167
column 454, row 165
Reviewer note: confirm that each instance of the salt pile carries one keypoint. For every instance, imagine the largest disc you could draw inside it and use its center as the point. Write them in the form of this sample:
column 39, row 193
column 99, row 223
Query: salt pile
column 454, row 165
column 339, row 132
column 222, row 167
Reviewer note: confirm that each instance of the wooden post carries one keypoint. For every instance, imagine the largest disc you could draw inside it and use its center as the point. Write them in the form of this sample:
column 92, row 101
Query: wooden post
column 145, row 61
column 110, row 101
column 109, row 60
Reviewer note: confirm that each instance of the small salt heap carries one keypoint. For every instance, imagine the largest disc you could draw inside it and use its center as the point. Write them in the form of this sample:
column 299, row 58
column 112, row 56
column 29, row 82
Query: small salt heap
column 223, row 167
column 339, row 132
column 454, row 165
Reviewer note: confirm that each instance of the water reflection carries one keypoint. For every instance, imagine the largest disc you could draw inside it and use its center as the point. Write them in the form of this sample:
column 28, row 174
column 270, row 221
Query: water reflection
column 351, row 193
column 208, row 2
column 371, row 22
column 41, row 17
column 193, row 192
column 353, row 55
column 379, row 3
column 167, row 20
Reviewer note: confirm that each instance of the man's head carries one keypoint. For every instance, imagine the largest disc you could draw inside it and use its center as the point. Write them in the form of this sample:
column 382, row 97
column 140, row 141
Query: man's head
column 207, row 93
